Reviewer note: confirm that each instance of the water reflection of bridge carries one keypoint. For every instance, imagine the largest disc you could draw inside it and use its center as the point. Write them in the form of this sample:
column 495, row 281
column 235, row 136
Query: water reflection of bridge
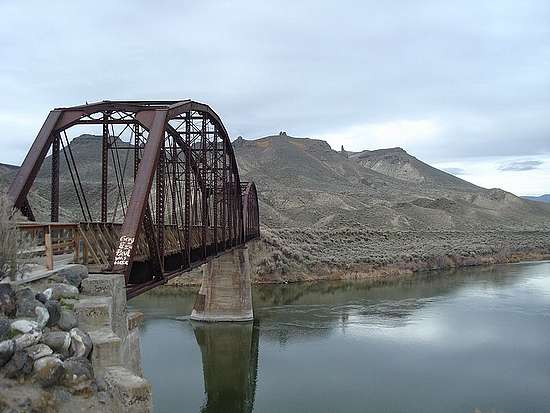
column 230, row 365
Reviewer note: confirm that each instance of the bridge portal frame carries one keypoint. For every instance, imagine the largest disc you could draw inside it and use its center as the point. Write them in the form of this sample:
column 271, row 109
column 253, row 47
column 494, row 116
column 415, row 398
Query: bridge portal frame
column 212, row 174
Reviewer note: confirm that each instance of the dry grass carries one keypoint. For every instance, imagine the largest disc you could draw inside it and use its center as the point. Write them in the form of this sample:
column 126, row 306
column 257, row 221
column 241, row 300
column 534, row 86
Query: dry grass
column 12, row 241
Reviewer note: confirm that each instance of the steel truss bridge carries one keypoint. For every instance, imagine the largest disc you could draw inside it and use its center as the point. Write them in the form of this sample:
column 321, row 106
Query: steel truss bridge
column 170, row 198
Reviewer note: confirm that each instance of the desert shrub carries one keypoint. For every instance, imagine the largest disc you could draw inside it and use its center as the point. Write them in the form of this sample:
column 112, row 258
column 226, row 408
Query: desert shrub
column 12, row 241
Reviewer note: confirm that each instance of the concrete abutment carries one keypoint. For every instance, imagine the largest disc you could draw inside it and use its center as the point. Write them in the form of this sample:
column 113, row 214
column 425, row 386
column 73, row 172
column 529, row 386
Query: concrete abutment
column 116, row 355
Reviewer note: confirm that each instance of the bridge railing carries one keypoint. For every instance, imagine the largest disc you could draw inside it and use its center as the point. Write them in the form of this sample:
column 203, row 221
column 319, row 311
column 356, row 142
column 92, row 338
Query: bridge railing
column 93, row 243
column 53, row 242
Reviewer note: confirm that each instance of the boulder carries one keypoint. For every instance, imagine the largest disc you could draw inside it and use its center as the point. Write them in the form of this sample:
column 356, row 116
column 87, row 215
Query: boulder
column 81, row 343
column 7, row 348
column 41, row 297
column 48, row 371
column 5, row 327
column 38, row 351
column 7, row 300
column 20, row 365
column 103, row 397
column 73, row 274
column 54, row 278
column 58, row 291
column 26, row 340
column 79, row 376
column 61, row 395
column 67, row 320
column 54, row 310
column 26, row 303
column 24, row 326
column 58, row 341
column 42, row 317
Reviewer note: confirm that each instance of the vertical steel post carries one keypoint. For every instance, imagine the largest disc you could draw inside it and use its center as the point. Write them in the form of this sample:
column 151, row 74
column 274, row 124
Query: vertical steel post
column 215, row 189
column 174, row 183
column 230, row 207
column 104, row 168
column 54, row 198
column 188, row 155
column 204, row 198
column 224, row 195
column 234, row 209
column 136, row 149
column 161, row 169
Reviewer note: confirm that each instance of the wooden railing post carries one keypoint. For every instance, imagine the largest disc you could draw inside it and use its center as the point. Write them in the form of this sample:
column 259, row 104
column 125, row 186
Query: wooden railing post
column 48, row 245
column 76, row 241
column 85, row 253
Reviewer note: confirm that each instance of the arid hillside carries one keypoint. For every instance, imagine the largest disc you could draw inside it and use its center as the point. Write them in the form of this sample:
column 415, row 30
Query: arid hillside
column 304, row 183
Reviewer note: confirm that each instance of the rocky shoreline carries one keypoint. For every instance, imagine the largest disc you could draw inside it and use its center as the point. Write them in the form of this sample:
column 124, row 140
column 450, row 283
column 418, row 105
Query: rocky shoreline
column 67, row 344
column 43, row 348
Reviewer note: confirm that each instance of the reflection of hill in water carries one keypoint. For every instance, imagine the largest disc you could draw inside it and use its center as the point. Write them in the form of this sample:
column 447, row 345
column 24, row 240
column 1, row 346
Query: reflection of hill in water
column 316, row 309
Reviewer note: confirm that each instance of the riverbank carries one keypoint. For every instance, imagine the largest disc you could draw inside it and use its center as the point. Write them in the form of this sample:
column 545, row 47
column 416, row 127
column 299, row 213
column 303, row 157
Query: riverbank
column 284, row 256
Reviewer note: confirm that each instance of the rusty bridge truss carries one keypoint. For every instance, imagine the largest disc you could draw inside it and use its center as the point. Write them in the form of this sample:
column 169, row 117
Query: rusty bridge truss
column 170, row 196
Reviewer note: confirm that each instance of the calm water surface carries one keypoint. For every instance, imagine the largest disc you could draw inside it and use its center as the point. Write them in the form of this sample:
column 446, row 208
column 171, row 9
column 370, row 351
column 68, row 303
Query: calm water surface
column 455, row 341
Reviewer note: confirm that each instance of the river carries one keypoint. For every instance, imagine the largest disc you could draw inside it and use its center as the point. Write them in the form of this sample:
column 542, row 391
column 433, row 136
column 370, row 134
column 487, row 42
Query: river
column 467, row 340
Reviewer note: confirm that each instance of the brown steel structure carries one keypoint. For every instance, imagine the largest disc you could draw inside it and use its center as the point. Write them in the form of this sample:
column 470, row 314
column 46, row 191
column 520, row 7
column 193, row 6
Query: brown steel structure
column 183, row 204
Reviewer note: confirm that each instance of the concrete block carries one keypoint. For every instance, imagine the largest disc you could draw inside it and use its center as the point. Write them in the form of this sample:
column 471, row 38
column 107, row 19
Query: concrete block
column 106, row 349
column 110, row 285
column 131, row 354
column 135, row 320
column 93, row 312
column 130, row 392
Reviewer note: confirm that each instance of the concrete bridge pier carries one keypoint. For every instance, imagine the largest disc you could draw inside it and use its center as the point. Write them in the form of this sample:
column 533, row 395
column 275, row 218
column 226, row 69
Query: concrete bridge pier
column 225, row 293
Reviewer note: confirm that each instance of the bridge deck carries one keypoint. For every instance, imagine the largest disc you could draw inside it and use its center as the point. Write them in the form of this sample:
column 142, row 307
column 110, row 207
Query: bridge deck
column 94, row 244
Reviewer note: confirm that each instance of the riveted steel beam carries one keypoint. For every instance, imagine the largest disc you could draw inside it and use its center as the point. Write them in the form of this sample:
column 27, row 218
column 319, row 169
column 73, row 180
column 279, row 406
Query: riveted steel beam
column 123, row 257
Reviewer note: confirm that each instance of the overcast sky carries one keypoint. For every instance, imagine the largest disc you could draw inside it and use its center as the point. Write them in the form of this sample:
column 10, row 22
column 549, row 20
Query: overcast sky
column 464, row 85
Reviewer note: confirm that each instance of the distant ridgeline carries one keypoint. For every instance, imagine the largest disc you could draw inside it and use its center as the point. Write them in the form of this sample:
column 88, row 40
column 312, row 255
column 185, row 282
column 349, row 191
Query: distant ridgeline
column 541, row 198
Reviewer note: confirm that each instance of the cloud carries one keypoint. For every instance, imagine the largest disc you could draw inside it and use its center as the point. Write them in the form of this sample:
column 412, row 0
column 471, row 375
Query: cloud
column 376, row 135
column 445, row 80
column 486, row 173
column 520, row 166
column 455, row 171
